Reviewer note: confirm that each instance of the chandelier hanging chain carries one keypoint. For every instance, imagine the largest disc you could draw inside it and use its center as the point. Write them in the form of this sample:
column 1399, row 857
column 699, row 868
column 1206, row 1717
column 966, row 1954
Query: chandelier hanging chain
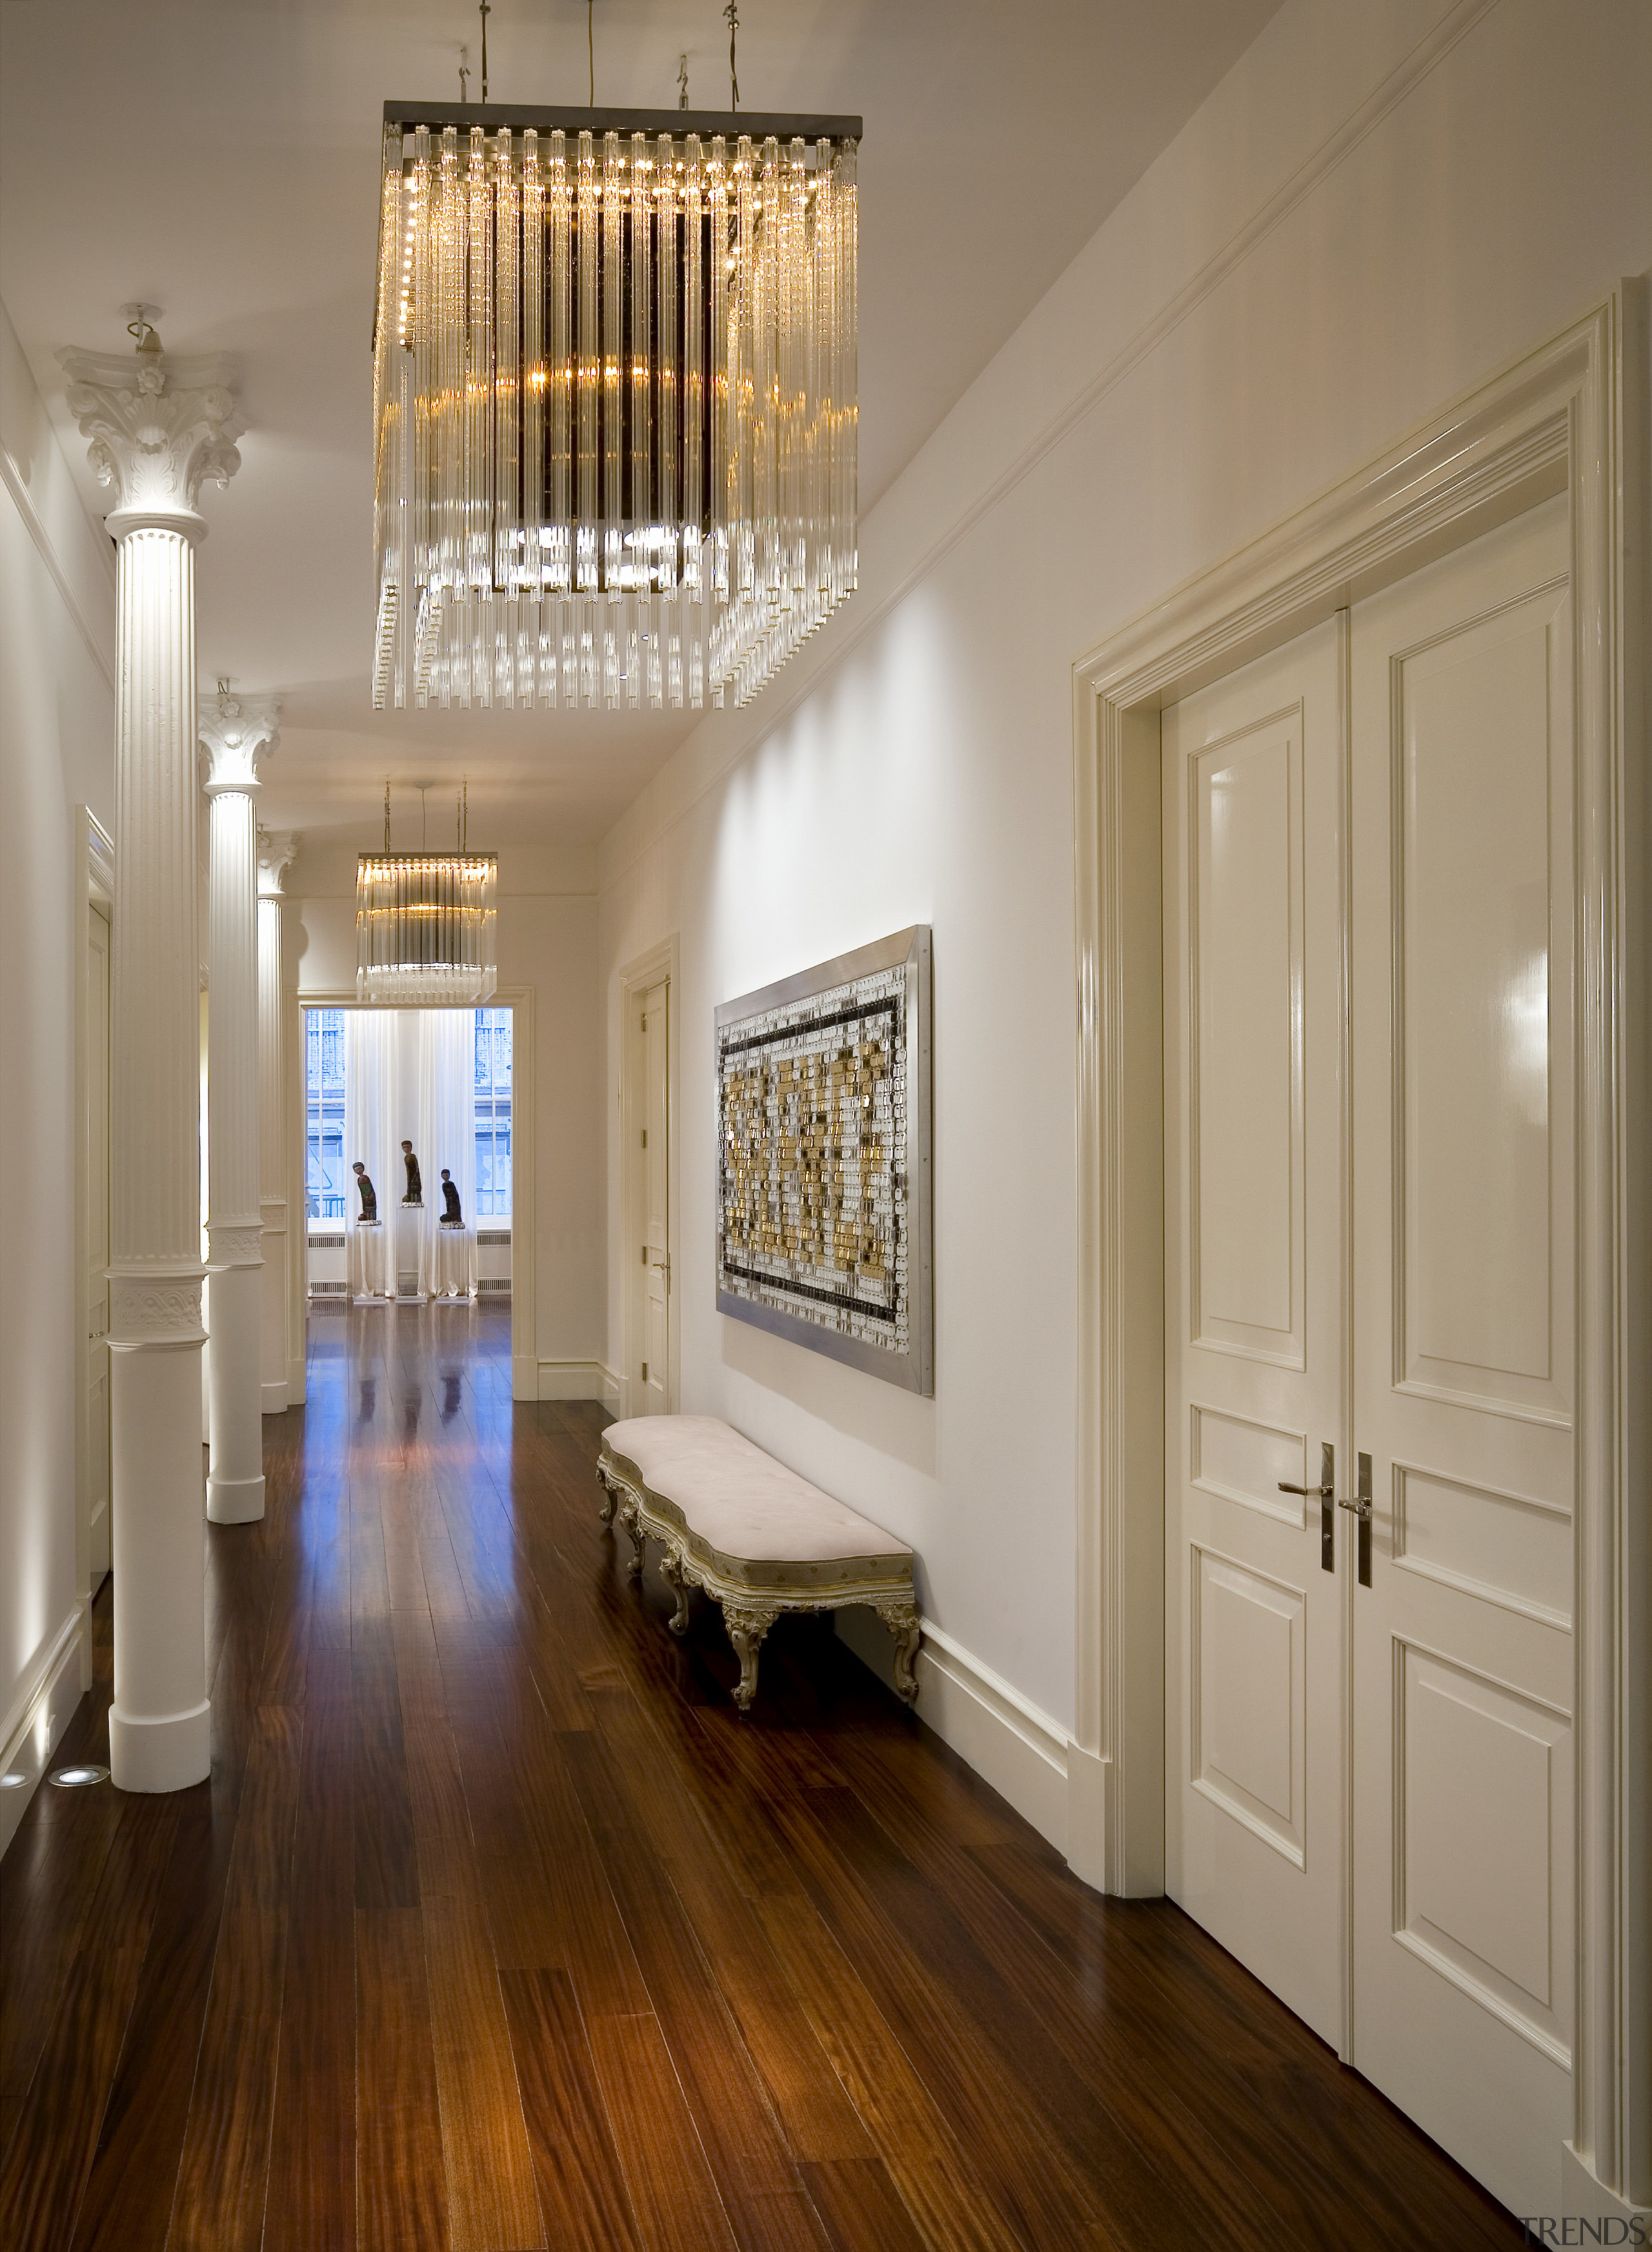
column 464, row 76
column 484, row 9
column 590, row 49
column 733, row 14
column 681, row 81
column 386, row 816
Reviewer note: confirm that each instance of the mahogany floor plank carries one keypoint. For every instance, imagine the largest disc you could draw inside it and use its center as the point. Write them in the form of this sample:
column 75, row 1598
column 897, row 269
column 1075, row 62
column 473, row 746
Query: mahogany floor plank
column 582, row 2188
column 311, row 2201
column 218, row 2200
column 51, row 2152
column 401, row 2183
column 497, row 1926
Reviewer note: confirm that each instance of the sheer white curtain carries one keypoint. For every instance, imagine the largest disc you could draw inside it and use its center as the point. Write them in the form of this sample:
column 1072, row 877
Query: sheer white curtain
column 447, row 1119
column 448, row 1107
column 370, row 1127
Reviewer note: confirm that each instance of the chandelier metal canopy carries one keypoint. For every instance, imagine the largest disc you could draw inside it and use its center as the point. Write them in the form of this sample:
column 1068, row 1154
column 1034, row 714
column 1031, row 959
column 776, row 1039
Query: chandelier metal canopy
column 614, row 400
column 426, row 924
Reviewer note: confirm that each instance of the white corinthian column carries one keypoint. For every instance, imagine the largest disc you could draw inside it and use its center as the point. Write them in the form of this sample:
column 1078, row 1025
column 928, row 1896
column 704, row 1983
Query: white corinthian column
column 159, row 429
column 236, row 737
column 275, row 853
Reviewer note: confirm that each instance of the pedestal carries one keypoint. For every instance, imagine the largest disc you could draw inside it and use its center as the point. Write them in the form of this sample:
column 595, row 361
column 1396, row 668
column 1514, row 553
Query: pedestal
column 451, row 1263
column 369, row 1264
column 410, row 1227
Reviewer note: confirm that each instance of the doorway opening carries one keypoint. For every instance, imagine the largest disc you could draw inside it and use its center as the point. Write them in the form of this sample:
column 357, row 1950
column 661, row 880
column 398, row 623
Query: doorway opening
column 648, row 1181
column 434, row 1106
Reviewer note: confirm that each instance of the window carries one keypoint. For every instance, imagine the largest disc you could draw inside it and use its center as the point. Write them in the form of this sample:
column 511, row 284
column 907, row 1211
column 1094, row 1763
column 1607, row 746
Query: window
column 324, row 1177
column 493, row 1113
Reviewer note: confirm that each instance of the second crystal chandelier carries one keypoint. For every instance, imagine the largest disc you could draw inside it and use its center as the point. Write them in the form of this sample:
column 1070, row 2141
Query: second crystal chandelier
column 615, row 397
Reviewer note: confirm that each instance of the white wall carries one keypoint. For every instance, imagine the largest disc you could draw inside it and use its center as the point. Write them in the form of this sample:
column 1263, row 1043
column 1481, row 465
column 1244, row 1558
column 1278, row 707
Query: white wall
column 547, row 941
column 57, row 750
column 1384, row 201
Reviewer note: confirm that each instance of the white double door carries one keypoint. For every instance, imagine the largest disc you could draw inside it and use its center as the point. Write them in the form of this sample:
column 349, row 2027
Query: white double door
column 1369, row 1182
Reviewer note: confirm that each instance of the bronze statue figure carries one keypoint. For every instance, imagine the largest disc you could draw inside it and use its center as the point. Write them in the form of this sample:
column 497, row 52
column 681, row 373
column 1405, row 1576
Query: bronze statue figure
column 368, row 1194
column 415, row 1187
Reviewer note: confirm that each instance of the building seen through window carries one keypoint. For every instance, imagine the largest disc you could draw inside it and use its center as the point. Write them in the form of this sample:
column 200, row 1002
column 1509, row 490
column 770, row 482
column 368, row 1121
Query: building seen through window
column 493, row 1113
column 326, row 1174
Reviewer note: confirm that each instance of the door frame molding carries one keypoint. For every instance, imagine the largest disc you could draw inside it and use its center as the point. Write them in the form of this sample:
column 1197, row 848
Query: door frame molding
column 665, row 960
column 525, row 1365
column 1570, row 417
column 94, row 886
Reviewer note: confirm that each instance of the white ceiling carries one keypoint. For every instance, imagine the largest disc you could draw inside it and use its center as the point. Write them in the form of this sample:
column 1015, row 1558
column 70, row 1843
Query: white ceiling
column 220, row 160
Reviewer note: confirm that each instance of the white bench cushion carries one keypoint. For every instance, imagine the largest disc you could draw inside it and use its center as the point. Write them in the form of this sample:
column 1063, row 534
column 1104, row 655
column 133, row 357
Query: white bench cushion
column 740, row 1500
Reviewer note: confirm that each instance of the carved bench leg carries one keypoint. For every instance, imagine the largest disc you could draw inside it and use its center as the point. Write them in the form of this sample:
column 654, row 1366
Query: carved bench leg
column 671, row 1572
column 901, row 1619
column 627, row 1516
column 605, row 1507
column 747, row 1624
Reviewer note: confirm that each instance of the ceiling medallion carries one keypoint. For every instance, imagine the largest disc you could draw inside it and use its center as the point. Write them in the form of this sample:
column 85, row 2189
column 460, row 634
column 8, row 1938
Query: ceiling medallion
column 615, row 403
column 426, row 924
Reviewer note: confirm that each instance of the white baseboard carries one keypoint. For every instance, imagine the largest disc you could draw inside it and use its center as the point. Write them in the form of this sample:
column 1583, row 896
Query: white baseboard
column 572, row 1380
column 524, row 1378
column 613, row 1390
column 1019, row 1750
column 1583, row 2193
column 295, row 1383
column 37, row 1717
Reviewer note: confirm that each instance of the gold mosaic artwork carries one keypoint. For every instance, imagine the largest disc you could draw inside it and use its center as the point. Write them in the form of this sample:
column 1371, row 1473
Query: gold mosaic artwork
column 812, row 1102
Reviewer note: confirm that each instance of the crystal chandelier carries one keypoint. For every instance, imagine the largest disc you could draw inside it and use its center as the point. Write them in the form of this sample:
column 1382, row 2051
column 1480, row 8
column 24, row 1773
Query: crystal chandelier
column 614, row 400
column 425, row 925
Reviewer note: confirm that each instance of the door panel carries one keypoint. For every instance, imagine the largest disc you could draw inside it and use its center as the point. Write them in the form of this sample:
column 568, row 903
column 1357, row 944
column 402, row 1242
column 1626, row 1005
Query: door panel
column 1253, row 1294
column 1477, row 717
column 97, row 1286
column 1461, row 1043
column 1244, row 987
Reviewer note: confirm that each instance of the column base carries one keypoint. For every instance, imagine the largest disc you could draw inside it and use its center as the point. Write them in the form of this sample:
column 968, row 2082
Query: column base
column 170, row 1752
column 275, row 1398
column 234, row 1501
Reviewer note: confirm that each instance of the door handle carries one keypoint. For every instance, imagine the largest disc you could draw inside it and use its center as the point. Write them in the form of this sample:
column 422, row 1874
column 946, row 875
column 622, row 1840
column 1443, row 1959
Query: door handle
column 1325, row 1493
column 1361, row 1509
column 662, row 1267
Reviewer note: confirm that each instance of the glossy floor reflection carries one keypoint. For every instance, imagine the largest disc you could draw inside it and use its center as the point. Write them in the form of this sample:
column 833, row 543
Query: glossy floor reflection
column 496, row 1928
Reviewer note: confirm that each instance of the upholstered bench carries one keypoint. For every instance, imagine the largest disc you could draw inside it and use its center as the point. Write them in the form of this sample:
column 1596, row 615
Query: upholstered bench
column 759, row 1538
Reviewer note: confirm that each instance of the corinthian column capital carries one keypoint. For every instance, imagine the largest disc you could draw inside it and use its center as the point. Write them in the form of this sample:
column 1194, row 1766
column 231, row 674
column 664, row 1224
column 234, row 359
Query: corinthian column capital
column 277, row 850
column 237, row 735
column 160, row 428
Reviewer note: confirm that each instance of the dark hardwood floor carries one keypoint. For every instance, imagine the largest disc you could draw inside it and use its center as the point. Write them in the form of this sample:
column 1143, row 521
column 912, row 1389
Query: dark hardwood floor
column 495, row 1927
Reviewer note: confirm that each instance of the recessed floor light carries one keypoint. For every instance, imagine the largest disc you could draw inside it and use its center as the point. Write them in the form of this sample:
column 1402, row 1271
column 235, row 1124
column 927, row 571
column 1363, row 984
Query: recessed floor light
column 75, row 1778
column 13, row 1781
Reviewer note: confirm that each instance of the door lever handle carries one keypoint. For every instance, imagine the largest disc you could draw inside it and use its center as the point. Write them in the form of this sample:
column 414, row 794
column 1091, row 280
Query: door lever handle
column 1324, row 1494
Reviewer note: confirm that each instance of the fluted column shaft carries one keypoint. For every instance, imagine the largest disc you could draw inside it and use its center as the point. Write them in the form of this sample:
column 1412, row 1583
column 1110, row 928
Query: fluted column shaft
column 158, row 1725
column 158, row 428
column 274, row 855
column 234, row 739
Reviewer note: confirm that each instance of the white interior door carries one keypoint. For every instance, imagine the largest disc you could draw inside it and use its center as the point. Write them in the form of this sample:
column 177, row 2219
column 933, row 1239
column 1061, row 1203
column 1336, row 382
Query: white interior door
column 652, row 1392
column 1462, row 682
column 1443, row 1631
column 97, row 1241
column 1254, row 1294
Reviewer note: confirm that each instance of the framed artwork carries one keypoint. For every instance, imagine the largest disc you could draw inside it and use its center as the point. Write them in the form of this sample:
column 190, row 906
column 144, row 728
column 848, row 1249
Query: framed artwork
column 824, row 1191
